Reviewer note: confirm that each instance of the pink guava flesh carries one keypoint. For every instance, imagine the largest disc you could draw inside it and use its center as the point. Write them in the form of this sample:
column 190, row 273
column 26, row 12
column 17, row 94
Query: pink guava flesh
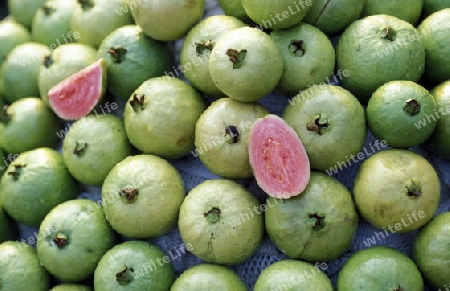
column 76, row 96
column 278, row 159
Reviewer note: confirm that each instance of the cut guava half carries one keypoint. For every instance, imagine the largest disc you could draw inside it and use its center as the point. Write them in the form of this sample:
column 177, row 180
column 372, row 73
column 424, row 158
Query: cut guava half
column 77, row 95
column 278, row 159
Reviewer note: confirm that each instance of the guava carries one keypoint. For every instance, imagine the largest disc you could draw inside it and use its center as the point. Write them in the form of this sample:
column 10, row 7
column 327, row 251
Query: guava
column 277, row 14
column 317, row 225
column 76, row 96
column 439, row 141
column 28, row 124
column 410, row 13
column 104, row 13
column 19, row 71
column 330, row 123
column 277, row 157
column 177, row 16
column 131, row 58
column 377, row 49
column 433, row 31
column 160, row 117
column 397, row 112
column 93, row 146
column 76, row 234
column 34, row 183
column 379, row 268
column 71, row 287
column 222, row 221
column 429, row 250
column 50, row 25
column 332, row 17
column 292, row 275
column 234, row 8
column 221, row 137
column 208, row 277
column 23, row 11
column 20, row 268
column 136, row 266
column 8, row 227
column 431, row 6
column 245, row 64
column 308, row 55
column 408, row 195
column 142, row 195
column 61, row 63
column 197, row 47
column 12, row 34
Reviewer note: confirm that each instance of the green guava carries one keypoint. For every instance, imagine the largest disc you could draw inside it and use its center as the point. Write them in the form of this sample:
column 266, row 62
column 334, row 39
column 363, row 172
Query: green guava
column 160, row 117
column 221, row 137
column 23, row 11
column 431, row 6
column 379, row 268
column 71, row 287
column 408, row 195
column 50, row 24
column 430, row 250
column 61, row 63
column 75, row 233
column 131, row 58
column 208, row 277
column 331, row 124
column 222, row 221
column 234, row 8
column 20, row 268
column 142, row 195
column 105, row 16
column 245, row 64
column 410, row 12
column 134, row 266
column 434, row 31
column 333, row 16
column 377, row 49
column 308, row 55
column 19, row 71
column 396, row 111
column 197, row 47
column 93, row 146
column 439, row 141
column 8, row 227
column 277, row 14
column 292, row 275
column 12, row 34
column 28, row 124
column 318, row 225
column 34, row 183
column 167, row 20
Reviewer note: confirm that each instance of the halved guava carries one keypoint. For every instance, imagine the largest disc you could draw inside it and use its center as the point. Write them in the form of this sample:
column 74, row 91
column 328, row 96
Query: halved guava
column 77, row 95
column 278, row 159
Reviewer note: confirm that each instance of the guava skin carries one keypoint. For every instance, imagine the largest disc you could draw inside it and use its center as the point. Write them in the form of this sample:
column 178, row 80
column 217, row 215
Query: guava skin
column 23, row 11
column 331, row 123
column 20, row 268
column 210, row 221
column 316, row 226
column 408, row 196
column 430, row 250
column 8, row 227
column 197, row 47
column 236, row 57
column 410, row 13
column 379, row 268
column 12, row 34
column 431, row 6
column 292, row 275
column 74, row 233
column 142, row 195
column 308, row 54
column 134, row 265
column 71, row 287
column 208, row 277
column 234, row 8
column 377, row 49
column 178, row 17
column 160, row 117
column 222, row 151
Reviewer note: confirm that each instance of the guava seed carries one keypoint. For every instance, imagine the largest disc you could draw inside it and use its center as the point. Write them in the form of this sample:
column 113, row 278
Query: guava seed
column 213, row 215
column 412, row 107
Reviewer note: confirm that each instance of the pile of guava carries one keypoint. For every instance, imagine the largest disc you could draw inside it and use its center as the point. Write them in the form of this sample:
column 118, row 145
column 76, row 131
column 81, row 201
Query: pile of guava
column 224, row 145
